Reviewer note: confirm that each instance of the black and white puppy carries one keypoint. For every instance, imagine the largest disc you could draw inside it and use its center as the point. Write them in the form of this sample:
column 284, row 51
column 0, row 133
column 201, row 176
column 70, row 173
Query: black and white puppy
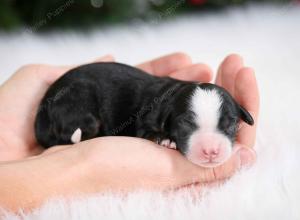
column 112, row 99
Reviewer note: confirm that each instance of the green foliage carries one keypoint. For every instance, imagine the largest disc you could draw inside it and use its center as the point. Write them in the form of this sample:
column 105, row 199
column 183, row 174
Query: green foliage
column 39, row 15
column 8, row 16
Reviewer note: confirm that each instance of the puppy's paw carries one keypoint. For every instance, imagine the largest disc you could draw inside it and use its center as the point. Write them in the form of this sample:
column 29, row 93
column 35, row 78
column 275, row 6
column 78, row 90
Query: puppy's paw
column 77, row 128
column 168, row 143
column 76, row 136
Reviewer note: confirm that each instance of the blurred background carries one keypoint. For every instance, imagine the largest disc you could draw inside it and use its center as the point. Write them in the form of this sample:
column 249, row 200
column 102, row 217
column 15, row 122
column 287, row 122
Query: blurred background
column 39, row 14
column 72, row 31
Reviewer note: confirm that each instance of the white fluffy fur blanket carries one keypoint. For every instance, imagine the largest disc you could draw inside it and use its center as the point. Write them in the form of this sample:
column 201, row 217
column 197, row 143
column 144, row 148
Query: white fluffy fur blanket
column 269, row 39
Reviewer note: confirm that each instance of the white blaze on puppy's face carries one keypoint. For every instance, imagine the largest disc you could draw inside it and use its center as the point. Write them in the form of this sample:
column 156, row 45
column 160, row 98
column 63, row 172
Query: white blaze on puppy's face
column 207, row 146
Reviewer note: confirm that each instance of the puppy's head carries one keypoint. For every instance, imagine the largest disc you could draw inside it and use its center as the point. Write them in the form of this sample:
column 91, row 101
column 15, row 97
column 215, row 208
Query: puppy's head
column 204, row 123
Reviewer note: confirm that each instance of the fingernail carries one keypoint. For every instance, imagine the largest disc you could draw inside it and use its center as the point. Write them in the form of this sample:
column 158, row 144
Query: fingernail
column 106, row 58
column 247, row 157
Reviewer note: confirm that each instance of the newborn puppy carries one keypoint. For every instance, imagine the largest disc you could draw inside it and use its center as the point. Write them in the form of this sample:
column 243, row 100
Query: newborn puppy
column 110, row 99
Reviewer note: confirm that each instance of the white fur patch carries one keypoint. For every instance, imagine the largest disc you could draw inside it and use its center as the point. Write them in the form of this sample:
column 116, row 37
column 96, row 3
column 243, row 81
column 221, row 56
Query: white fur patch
column 206, row 106
column 76, row 136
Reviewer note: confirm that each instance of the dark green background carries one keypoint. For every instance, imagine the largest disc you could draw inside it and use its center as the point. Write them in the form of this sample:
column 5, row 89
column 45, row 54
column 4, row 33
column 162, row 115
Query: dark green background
column 47, row 14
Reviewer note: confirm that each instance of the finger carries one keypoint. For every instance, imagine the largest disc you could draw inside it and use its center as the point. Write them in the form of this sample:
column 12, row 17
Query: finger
column 227, row 72
column 247, row 95
column 165, row 65
column 241, row 157
column 196, row 72
column 227, row 169
column 106, row 58
column 62, row 69
column 247, row 155
column 198, row 174
column 55, row 149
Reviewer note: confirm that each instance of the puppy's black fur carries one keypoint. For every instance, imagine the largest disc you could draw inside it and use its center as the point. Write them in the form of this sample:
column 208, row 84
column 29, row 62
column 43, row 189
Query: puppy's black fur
column 104, row 99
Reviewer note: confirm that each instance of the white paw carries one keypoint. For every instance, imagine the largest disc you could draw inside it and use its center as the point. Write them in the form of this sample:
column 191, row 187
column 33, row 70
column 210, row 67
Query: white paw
column 173, row 145
column 76, row 136
column 165, row 142
column 168, row 143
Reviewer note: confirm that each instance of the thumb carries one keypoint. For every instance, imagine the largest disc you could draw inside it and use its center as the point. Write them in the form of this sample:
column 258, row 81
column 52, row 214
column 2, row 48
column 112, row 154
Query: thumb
column 241, row 157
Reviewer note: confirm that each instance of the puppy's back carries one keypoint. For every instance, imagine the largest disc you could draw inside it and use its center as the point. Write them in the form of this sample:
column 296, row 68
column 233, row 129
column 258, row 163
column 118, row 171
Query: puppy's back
column 87, row 96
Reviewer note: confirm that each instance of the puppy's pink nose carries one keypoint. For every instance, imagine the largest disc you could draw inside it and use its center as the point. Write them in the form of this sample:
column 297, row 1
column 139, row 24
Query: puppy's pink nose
column 210, row 152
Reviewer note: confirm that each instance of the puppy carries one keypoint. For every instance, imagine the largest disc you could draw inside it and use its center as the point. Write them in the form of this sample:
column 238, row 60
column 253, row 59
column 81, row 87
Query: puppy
column 200, row 120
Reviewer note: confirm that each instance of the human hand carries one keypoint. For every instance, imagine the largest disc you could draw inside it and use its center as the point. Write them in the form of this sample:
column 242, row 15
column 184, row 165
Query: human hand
column 20, row 96
column 231, row 67
column 22, row 93
column 105, row 164
column 240, row 82
column 19, row 106
column 108, row 163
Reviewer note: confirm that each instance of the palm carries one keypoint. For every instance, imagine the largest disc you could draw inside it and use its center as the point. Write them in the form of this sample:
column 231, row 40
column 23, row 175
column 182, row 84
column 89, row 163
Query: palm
column 21, row 94
column 19, row 98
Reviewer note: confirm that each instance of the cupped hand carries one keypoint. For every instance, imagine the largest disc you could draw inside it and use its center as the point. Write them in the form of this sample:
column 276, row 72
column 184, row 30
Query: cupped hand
column 127, row 162
column 21, row 94
column 140, row 163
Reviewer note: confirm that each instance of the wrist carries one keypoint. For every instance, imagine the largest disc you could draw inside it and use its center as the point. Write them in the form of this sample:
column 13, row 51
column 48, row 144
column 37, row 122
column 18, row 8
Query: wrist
column 28, row 183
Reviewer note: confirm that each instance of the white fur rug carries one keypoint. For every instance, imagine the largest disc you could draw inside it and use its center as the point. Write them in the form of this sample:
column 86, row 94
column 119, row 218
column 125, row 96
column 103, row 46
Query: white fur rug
column 269, row 39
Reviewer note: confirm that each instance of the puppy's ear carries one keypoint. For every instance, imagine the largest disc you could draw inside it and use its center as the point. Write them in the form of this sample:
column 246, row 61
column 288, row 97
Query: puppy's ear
column 245, row 115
